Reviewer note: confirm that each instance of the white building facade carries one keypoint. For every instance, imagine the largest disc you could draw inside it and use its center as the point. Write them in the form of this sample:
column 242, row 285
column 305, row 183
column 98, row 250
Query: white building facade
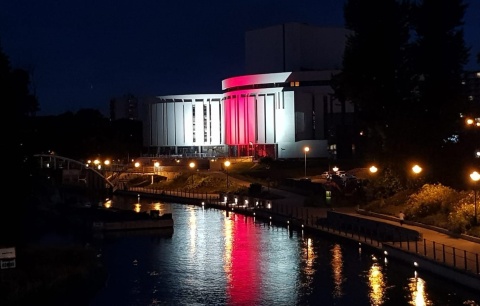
column 271, row 112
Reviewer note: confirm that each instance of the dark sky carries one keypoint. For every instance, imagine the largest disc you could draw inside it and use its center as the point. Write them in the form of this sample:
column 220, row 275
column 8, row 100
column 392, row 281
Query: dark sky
column 84, row 52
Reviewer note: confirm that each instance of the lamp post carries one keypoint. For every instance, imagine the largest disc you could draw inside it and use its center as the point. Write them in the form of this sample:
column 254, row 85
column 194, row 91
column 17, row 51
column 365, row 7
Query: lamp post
column 475, row 176
column 192, row 165
column 227, row 164
column 306, row 149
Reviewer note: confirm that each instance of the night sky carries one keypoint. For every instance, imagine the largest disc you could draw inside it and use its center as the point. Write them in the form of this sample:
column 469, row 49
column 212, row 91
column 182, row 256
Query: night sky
column 82, row 53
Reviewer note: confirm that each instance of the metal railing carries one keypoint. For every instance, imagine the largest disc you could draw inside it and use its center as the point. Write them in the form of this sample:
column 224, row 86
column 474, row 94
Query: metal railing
column 445, row 254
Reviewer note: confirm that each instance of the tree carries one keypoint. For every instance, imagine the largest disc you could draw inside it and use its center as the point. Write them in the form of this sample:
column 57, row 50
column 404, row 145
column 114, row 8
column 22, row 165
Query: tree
column 19, row 104
column 402, row 69
column 374, row 66
column 439, row 57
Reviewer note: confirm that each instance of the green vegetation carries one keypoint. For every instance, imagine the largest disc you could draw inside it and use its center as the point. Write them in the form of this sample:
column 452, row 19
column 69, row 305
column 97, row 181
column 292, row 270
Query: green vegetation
column 432, row 204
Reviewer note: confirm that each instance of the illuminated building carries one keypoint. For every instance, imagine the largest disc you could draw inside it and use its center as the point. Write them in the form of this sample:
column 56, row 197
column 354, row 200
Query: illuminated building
column 284, row 103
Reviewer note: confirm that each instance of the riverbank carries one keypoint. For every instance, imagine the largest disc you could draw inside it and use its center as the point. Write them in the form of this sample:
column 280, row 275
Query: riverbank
column 445, row 254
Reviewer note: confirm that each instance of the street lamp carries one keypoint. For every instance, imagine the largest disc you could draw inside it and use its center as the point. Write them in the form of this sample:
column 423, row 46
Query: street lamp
column 417, row 169
column 475, row 176
column 156, row 165
column 373, row 169
column 227, row 164
column 306, row 149
column 192, row 165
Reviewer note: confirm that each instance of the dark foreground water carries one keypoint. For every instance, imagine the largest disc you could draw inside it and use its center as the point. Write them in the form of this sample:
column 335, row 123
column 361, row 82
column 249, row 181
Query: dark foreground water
column 211, row 259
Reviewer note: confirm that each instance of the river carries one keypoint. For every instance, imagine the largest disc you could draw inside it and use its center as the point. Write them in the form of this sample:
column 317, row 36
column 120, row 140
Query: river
column 212, row 259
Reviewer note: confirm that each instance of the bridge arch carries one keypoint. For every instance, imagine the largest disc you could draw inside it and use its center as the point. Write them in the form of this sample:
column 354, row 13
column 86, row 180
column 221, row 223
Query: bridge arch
column 60, row 162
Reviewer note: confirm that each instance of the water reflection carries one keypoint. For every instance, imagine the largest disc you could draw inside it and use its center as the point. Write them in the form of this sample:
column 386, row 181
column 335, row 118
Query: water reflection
column 192, row 225
column 138, row 207
column 244, row 278
column 212, row 258
column 417, row 290
column 337, row 270
column 377, row 283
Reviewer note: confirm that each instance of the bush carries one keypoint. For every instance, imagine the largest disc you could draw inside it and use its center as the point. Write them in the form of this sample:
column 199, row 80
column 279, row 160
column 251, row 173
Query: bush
column 457, row 222
column 430, row 200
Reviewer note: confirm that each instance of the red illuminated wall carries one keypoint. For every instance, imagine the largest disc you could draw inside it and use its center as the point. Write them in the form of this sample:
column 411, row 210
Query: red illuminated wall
column 240, row 116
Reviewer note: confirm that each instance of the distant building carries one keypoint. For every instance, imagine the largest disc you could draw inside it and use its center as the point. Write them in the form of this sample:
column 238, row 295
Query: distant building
column 471, row 81
column 126, row 107
column 282, row 105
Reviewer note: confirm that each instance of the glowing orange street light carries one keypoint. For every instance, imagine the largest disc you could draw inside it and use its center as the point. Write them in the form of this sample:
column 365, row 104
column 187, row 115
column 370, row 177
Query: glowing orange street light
column 373, row 169
column 417, row 169
column 227, row 164
column 475, row 176
column 306, row 149
column 192, row 165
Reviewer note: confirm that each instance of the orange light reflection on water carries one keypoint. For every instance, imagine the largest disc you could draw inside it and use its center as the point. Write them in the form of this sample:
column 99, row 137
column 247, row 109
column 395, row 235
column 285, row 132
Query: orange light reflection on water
column 377, row 284
column 337, row 270
column 417, row 288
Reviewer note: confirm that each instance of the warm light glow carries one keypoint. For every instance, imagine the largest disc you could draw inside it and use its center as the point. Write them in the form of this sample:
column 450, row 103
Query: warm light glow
column 106, row 162
column 418, row 292
column 137, row 164
column 335, row 168
column 156, row 164
column 373, row 169
column 107, row 204
column 417, row 169
column 469, row 121
column 337, row 270
column 377, row 284
column 137, row 207
column 96, row 162
column 227, row 163
column 192, row 165
column 306, row 149
column 475, row 176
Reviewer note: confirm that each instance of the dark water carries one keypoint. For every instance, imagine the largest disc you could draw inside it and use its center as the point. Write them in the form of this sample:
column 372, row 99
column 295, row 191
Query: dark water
column 211, row 259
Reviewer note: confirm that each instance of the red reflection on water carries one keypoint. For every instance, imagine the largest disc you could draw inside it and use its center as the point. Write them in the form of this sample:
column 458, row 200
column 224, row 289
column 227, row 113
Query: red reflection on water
column 244, row 279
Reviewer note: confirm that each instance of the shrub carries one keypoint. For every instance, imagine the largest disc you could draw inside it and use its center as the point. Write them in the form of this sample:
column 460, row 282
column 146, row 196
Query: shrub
column 430, row 200
column 458, row 220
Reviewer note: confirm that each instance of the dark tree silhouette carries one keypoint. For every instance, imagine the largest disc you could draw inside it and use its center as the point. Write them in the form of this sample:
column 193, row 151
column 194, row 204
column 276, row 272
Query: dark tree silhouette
column 440, row 56
column 19, row 105
column 402, row 69
column 375, row 75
